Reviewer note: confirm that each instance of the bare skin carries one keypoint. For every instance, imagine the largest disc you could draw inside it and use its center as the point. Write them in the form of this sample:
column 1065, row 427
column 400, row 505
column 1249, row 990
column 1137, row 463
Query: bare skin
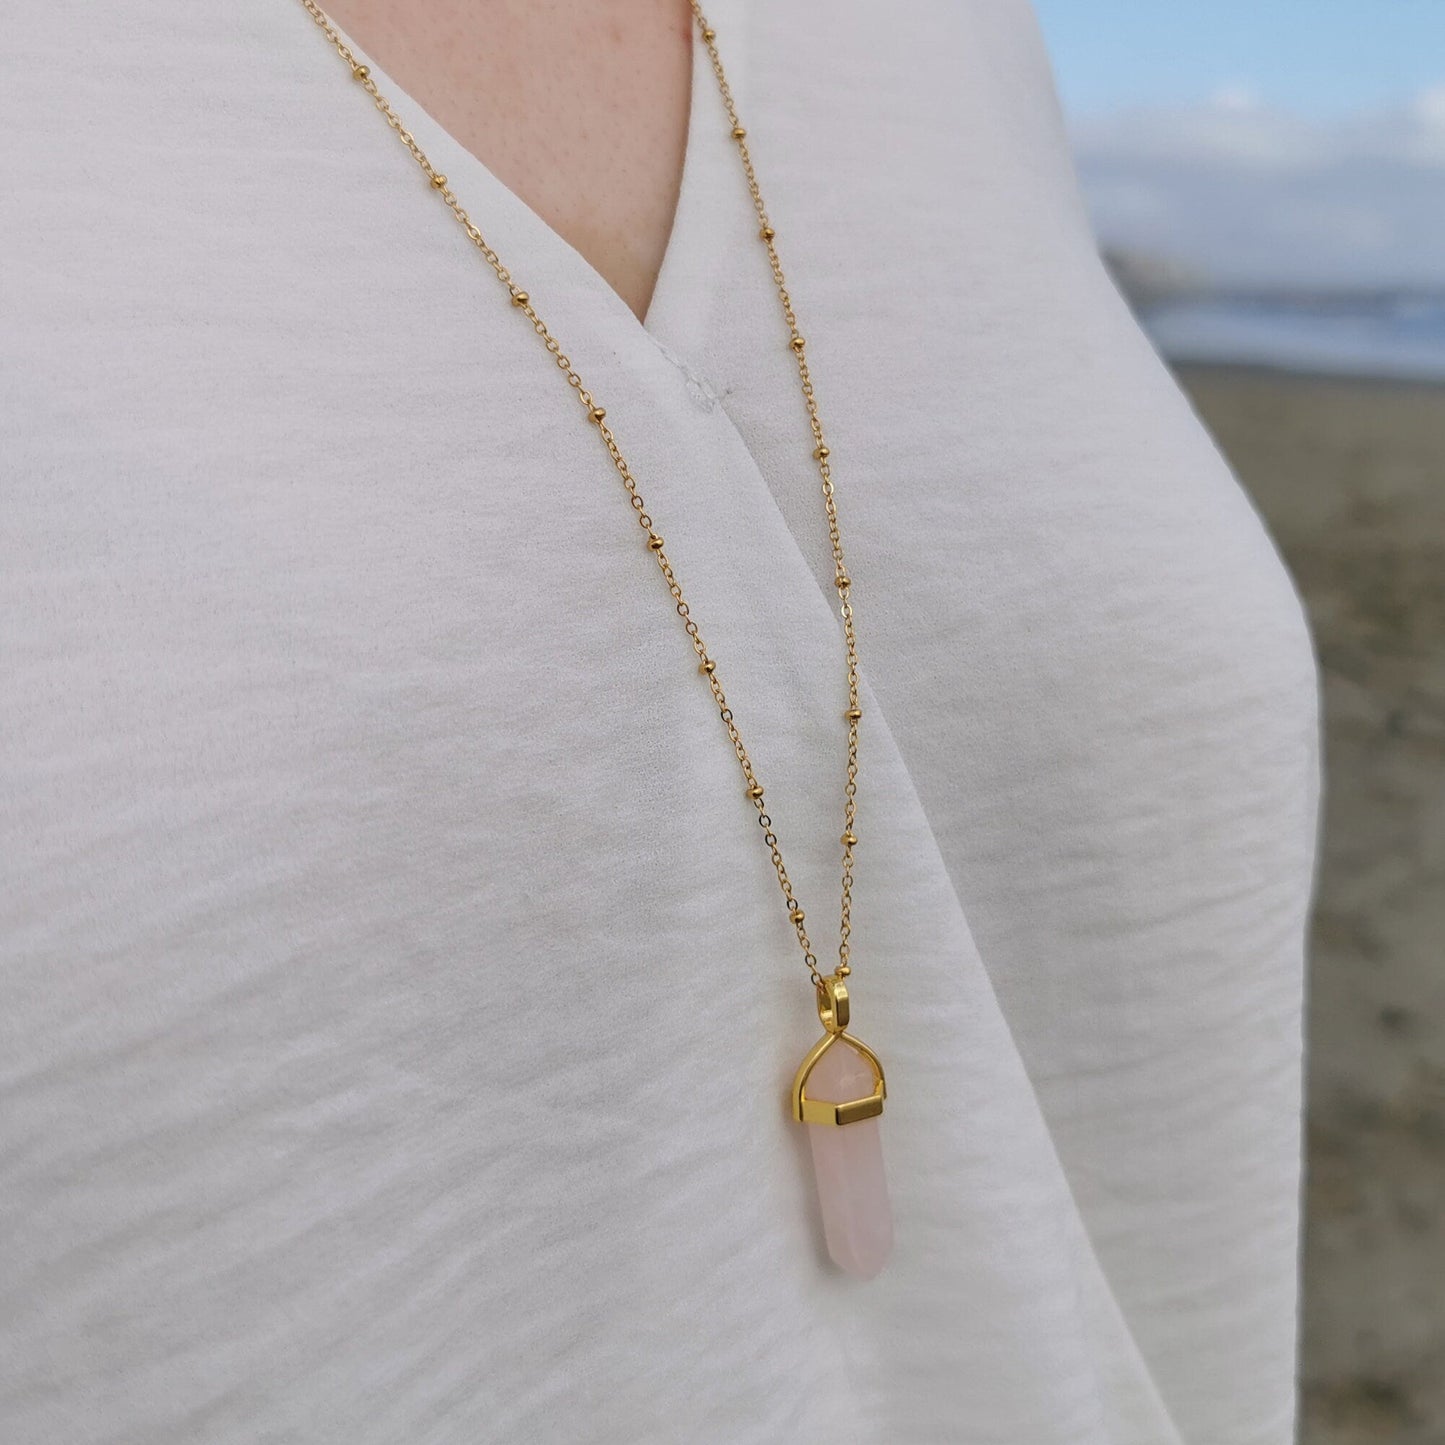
column 579, row 109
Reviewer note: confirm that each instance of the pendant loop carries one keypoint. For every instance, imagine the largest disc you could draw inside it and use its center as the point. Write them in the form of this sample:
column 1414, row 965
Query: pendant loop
column 833, row 1004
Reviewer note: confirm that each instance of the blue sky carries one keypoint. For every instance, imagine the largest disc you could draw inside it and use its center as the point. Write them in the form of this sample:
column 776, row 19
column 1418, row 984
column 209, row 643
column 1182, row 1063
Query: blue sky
column 1275, row 141
column 1317, row 57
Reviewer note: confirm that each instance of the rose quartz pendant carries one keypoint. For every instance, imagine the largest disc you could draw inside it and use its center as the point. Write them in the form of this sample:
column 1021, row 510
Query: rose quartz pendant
column 838, row 1093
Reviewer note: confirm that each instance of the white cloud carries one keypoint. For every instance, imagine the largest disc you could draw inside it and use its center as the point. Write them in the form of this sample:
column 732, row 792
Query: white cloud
column 1235, row 97
column 1248, row 192
column 1430, row 106
column 1236, row 125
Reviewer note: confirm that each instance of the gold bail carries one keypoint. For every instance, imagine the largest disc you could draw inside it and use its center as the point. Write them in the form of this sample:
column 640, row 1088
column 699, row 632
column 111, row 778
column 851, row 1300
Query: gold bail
column 833, row 1004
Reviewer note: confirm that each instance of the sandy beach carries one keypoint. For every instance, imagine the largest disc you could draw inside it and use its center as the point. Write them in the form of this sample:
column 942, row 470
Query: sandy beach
column 1350, row 477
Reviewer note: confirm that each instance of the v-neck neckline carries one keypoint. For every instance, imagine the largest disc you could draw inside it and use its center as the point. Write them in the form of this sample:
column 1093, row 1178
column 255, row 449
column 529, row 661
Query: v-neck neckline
column 519, row 233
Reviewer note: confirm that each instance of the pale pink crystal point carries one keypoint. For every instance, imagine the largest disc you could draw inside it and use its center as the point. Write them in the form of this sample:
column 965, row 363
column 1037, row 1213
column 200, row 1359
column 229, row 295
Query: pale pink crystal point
column 848, row 1160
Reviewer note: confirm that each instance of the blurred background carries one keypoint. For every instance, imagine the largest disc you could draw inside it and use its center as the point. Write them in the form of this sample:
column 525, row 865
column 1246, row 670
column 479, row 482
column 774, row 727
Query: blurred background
column 1267, row 179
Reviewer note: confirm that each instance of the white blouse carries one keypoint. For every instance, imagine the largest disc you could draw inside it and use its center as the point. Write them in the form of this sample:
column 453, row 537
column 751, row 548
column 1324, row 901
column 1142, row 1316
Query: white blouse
column 398, row 1007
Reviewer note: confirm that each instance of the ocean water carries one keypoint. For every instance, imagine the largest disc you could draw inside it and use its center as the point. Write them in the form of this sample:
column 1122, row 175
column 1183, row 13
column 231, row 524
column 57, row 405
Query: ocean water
column 1395, row 335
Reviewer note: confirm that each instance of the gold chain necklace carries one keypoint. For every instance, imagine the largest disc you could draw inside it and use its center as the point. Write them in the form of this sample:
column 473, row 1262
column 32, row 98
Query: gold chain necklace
column 848, row 1085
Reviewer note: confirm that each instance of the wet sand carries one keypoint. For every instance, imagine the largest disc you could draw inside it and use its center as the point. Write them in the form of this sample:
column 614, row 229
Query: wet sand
column 1350, row 477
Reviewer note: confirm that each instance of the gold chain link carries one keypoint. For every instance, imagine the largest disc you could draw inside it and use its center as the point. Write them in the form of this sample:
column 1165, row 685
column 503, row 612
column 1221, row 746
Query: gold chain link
column 597, row 416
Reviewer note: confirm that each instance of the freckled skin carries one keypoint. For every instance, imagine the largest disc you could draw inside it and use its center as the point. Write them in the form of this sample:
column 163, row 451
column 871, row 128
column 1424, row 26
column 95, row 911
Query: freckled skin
column 579, row 108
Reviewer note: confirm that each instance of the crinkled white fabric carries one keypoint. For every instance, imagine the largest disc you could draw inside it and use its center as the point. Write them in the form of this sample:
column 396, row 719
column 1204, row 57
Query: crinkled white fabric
column 397, row 1003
